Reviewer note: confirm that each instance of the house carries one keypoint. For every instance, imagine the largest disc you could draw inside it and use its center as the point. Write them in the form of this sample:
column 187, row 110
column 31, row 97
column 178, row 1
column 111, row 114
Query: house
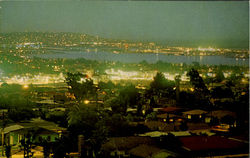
column 10, row 136
column 157, row 134
column 154, row 134
column 14, row 136
column 161, row 126
column 204, row 146
column 170, row 118
column 40, row 129
column 171, row 115
column 38, row 122
column 149, row 151
column 119, row 146
column 196, row 115
column 131, row 111
column 181, row 133
column 221, row 117
column 207, row 132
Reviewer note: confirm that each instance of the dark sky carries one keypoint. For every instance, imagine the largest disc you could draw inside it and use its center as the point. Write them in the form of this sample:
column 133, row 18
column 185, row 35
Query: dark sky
column 212, row 22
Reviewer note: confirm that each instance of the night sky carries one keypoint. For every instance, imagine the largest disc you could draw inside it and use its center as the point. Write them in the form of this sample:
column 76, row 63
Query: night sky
column 215, row 23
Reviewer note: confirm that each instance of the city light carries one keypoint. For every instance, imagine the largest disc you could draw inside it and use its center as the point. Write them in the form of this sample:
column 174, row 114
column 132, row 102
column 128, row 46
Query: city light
column 25, row 86
column 207, row 49
column 86, row 101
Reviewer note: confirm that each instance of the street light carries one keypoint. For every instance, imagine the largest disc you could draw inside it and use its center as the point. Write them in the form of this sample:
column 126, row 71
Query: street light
column 86, row 101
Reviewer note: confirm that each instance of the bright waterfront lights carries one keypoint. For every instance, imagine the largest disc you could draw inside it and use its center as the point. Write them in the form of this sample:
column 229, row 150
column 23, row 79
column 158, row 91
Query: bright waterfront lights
column 25, row 86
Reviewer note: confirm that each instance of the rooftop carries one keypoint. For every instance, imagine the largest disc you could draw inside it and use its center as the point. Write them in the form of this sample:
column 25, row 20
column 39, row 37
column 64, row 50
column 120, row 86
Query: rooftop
column 201, row 143
column 154, row 134
column 181, row 133
column 12, row 128
column 144, row 151
column 125, row 143
column 194, row 112
column 170, row 109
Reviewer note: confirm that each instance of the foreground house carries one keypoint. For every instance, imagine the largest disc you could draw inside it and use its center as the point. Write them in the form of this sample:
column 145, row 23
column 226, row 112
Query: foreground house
column 10, row 135
column 39, row 130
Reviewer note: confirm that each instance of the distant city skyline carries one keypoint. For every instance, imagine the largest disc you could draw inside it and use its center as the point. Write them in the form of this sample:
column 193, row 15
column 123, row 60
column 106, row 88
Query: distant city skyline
column 205, row 23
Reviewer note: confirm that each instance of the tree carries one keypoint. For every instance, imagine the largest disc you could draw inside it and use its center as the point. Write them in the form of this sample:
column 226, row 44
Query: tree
column 152, row 116
column 159, row 81
column 59, row 148
column 187, row 99
column 160, row 85
column 219, row 76
column 202, row 94
column 81, row 86
column 117, row 125
column 20, row 113
column 82, row 119
column 140, row 104
column 108, row 85
column 197, row 81
column 177, row 83
column 89, row 122
column 118, row 105
column 222, row 92
column 235, row 77
column 13, row 95
column 130, row 95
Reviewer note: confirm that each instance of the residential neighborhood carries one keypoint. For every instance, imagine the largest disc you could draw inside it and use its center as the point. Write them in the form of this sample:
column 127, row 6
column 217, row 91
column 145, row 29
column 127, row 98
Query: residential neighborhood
column 124, row 79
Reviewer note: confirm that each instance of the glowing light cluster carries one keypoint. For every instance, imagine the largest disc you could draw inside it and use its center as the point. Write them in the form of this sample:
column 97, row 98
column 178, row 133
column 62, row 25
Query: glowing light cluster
column 207, row 49
column 36, row 79
column 129, row 75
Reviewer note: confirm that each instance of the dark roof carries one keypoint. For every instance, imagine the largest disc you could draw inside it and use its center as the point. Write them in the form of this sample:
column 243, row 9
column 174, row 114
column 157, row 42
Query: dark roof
column 125, row 143
column 170, row 109
column 144, row 150
column 204, row 143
